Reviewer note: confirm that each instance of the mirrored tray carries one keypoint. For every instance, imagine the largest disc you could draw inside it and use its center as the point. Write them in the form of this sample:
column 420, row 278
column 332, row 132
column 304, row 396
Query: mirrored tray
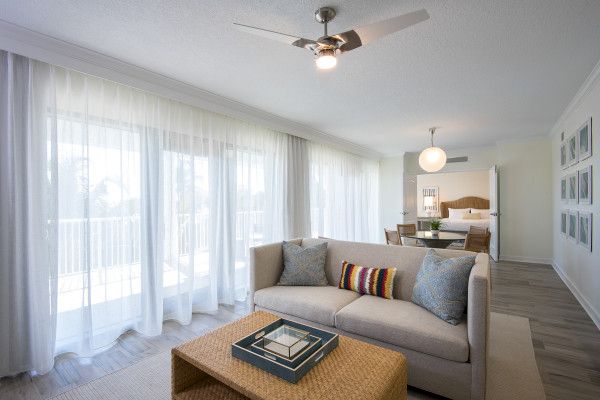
column 251, row 349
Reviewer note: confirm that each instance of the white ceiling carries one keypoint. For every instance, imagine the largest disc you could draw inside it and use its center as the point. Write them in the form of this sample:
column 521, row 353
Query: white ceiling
column 483, row 70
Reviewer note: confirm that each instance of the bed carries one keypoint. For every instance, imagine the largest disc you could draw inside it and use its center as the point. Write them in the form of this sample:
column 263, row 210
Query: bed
column 462, row 225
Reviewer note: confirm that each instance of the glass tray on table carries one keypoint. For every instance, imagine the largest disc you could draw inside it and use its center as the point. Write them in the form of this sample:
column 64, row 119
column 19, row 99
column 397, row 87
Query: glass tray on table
column 287, row 345
column 285, row 348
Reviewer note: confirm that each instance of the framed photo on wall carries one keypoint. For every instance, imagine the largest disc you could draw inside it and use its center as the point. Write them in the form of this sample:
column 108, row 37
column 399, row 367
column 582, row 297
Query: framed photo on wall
column 585, row 230
column 563, row 189
column 584, row 140
column 572, row 188
column 572, row 229
column 563, row 155
column 585, row 185
column 564, row 215
column 572, row 150
column 430, row 205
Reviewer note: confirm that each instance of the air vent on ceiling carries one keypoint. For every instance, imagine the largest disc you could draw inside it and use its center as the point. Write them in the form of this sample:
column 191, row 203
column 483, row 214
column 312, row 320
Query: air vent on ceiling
column 457, row 159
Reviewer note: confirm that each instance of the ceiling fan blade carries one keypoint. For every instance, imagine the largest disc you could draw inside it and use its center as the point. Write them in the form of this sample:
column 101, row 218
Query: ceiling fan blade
column 365, row 34
column 280, row 37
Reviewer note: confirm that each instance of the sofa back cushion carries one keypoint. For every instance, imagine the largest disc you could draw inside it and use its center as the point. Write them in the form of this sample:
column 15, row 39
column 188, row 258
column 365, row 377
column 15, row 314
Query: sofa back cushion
column 406, row 259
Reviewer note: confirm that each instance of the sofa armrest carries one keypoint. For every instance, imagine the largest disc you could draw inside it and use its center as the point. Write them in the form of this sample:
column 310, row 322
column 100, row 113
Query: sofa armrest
column 478, row 323
column 266, row 265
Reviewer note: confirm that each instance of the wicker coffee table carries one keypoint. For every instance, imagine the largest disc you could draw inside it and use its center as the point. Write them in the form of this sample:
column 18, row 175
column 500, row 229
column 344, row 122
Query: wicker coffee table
column 205, row 369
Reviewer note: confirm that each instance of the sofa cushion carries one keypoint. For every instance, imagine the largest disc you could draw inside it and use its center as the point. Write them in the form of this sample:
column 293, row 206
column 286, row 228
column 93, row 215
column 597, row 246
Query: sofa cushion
column 404, row 324
column 303, row 266
column 313, row 303
column 442, row 285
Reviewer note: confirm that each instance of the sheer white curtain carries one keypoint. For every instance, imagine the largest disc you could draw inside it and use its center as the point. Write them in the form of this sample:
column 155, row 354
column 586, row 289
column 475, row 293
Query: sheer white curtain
column 344, row 195
column 120, row 208
column 27, row 218
column 158, row 205
column 297, row 223
column 224, row 191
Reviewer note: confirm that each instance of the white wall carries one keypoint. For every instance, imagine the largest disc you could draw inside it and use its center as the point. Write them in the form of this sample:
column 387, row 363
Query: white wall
column 525, row 187
column 454, row 185
column 579, row 268
column 391, row 172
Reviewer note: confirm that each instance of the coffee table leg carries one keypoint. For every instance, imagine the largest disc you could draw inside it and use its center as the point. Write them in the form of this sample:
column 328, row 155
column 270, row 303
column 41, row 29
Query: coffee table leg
column 398, row 389
column 183, row 375
column 189, row 382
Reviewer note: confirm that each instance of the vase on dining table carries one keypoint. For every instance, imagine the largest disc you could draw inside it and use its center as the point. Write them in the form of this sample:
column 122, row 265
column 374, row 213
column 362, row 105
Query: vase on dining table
column 435, row 232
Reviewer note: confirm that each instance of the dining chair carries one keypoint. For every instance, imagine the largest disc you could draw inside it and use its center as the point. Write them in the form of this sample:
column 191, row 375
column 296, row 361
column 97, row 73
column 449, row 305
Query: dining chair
column 408, row 229
column 391, row 237
column 478, row 230
column 478, row 240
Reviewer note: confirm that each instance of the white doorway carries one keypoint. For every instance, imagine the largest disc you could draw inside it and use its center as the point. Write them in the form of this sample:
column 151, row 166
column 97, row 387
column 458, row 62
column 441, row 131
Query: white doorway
column 453, row 187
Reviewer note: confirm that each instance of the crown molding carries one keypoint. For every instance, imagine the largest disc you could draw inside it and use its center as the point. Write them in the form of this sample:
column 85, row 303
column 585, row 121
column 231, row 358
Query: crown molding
column 20, row 40
column 524, row 139
column 585, row 88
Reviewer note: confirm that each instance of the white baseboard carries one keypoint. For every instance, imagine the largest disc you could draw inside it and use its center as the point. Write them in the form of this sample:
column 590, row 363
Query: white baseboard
column 532, row 260
column 587, row 306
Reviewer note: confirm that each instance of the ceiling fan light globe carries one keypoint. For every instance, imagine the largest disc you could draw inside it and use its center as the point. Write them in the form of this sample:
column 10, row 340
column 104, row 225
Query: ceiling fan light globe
column 432, row 159
column 326, row 61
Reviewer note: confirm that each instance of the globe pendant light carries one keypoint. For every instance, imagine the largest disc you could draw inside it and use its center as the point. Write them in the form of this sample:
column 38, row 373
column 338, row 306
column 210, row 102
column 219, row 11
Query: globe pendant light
column 432, row 159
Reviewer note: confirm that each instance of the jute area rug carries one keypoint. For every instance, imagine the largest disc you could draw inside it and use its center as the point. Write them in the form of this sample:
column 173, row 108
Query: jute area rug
column 512, row 374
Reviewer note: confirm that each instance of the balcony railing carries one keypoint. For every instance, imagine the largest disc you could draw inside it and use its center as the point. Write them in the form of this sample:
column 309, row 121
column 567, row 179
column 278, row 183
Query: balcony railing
column 113, row 241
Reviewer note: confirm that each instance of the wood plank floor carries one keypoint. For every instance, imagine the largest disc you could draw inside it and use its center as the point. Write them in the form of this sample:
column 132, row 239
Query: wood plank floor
column 566, row 342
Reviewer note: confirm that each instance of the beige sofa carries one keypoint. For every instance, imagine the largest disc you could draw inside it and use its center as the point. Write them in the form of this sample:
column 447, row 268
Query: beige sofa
column 442, row 358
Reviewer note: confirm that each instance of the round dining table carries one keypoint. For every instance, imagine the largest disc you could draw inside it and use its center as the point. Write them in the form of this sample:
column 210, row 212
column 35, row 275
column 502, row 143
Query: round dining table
column 439, row 241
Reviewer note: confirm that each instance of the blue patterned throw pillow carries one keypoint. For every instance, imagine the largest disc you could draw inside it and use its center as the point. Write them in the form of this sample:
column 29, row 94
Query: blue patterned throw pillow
column 303, row 266
column 442, row 284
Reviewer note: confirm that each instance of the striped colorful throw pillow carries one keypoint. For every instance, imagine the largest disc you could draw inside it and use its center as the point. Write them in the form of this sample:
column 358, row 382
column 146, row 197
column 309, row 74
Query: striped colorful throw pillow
column 373, row 281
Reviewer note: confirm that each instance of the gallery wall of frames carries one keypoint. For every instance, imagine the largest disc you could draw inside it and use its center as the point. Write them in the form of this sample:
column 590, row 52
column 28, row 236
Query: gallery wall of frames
column 576, row 186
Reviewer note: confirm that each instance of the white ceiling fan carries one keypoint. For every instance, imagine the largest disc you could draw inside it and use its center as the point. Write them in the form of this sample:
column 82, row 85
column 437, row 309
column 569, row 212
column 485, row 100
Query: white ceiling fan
column 328, row 46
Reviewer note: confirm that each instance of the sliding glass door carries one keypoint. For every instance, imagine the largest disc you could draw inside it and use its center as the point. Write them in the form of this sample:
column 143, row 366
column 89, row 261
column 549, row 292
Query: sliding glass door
column 158, row 205
column 98, row 196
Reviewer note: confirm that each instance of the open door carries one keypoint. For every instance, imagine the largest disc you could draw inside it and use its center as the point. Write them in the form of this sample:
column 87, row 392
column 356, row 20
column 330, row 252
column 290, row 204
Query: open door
column 494, row 214
column 409, row 211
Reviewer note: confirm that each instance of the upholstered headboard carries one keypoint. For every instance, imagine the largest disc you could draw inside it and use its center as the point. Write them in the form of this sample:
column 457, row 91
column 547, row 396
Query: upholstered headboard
column 465, row 202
